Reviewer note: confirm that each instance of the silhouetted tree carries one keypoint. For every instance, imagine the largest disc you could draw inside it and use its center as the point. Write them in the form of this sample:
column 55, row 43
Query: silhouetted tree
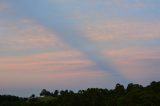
column 119, row 89
column 56, row 92
column 133, row 95
column 32, row 96
column 44, row 92
column 133, row 87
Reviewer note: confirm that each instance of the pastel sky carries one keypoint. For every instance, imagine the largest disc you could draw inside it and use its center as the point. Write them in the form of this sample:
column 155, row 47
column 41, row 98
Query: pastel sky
column 77, row 44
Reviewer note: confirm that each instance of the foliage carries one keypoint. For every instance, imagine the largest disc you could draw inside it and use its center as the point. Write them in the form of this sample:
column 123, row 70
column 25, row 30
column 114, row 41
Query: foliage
column 133, row 95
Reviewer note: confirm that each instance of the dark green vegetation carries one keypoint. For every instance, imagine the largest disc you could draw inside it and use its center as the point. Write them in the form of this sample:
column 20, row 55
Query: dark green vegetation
column 133, row 95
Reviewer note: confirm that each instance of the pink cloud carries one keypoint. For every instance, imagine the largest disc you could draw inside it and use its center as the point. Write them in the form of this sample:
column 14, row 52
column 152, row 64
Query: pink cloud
column 59, row 60
column 25, row 34
column 78, row 74
column 122, row 31
column 85, row 78
column 50, row 68
column 136, row 64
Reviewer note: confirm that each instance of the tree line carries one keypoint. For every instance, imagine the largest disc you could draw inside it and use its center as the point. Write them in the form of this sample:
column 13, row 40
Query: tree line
column 133, row 95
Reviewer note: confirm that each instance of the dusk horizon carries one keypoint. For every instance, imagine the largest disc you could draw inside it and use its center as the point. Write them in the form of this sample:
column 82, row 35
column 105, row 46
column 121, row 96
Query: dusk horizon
column 77, row 44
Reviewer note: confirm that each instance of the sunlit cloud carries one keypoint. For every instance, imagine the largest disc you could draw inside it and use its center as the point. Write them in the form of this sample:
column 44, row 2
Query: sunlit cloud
column 136, row 64
column 78, row 44
column 26, row 34
column 72, row 79
column 123, row 31
column 54, row 61
column 69, row 68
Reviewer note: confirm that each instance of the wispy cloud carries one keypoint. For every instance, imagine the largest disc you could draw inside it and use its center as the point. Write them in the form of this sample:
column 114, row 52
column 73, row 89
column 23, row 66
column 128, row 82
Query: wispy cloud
column 25, row 34
column 4, row 7
column 136, row 64
column 61, row 44
column 63, row 68
column 123, row 31
column 53, row 61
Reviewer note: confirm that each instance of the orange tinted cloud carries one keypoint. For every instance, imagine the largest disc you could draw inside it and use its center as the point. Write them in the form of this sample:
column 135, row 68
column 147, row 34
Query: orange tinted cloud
column 122, row 31
column 69, row 79
column 58, row 60
column 67, row 68
column 25, row 34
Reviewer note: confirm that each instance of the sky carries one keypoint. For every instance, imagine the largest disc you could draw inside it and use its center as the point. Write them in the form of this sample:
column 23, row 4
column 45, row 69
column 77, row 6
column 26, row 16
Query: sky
column 77, row 44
